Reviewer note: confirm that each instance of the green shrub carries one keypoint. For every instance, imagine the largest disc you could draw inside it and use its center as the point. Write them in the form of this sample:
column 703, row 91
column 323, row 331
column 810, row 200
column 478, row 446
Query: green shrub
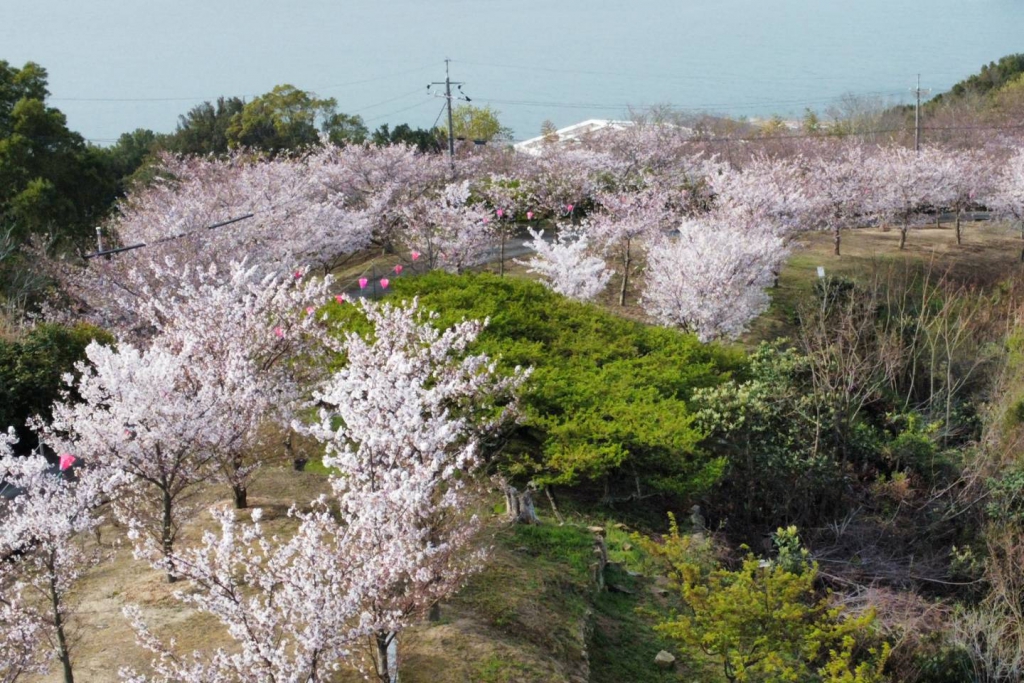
column 765, row 427
column 765, row 622
column 31, row 369
column 607, row 403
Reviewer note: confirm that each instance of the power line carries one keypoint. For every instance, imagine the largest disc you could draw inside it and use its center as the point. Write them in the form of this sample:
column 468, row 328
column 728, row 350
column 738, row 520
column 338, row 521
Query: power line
column 443, row 107
column 417, row 91
column 692, row 107
column 718, row 76
column 201, row 99
column 399, row 111
column 110, row 252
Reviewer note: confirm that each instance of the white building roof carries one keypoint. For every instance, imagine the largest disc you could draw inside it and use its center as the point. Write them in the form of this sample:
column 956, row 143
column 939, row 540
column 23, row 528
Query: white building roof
column 574, row 132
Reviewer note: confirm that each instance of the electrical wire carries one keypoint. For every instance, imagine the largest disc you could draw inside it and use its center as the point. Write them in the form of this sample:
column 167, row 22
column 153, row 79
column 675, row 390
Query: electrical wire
column 399, row 111
column 717, row 76
column 201, row 99
column 693, row 108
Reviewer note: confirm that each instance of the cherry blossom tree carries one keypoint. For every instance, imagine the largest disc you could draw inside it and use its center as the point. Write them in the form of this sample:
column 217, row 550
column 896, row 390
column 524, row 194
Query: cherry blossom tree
column 626, row 221
column 836, row 188
column 21, row 626
column 766, row 189
column 149, row 415
column 565, row 265
column 510, row 199
column 651, row 148
column 381, row 181
column 294, row 608
column 1007, row 198
column 297, row 214
column 42, row 559
column 257, row 341
column 711, row 277
column 405, row 423
column 446, row 230
column 963, row 177
column 902, row 185
column 564, row 176
column 298, row 218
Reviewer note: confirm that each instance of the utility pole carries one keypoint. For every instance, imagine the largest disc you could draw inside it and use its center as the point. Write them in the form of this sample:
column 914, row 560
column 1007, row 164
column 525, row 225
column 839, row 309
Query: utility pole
column 448, row 83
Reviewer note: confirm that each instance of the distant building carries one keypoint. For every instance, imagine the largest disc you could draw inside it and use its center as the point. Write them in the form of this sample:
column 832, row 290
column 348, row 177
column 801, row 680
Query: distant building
column 535, row 146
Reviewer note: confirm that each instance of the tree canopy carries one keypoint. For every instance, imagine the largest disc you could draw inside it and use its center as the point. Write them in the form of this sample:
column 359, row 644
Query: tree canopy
column 288, row 118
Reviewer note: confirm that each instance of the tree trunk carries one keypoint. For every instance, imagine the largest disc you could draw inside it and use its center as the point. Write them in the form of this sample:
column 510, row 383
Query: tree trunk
column 237, row 488
column 958, row 227
column 58, row 625
column 625, row 276
column 519, row 505
column 835, row 241
column 554, row 505
column 501, row 256
column 298, row 462
column 903, row 235
column 241, row 496
column 387, row 656
column 167, row 538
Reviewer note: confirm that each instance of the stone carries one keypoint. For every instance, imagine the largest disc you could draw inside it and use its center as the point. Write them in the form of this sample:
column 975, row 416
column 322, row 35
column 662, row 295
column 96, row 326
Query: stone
column 599, row 530
column 665, row 660
column 627, row 547
column 660, row 592
column 619, row 588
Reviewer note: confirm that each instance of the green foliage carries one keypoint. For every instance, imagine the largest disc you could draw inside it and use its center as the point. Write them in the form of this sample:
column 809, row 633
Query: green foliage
column 607, row 401
column 833, row 290
column 51, row 182
column 990, row 78
column 476, row 123
column 129, row 160
column 289, row 119
column 204, row 129
column 425, row 141
column 32, row 367
column 811, row 123
column 764, row 426
column 792, row 556
column 764, row 622
column 1006, row 496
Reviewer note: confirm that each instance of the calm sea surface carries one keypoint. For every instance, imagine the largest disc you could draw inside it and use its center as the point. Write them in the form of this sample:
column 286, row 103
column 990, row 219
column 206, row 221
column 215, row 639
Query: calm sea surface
column 118, row 65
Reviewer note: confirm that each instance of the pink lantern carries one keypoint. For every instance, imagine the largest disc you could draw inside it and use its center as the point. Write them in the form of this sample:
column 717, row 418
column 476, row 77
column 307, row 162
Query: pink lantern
column 66, row 461
column 529, row 215
column 486, row 219
column 500, row 212
column 298, row 274
column 310, row 310
column 415, row 255
column 363, row 282
column 340, row 298
column 398, row 269
column 384, row 282
column 569, row 208
column 279, row 333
